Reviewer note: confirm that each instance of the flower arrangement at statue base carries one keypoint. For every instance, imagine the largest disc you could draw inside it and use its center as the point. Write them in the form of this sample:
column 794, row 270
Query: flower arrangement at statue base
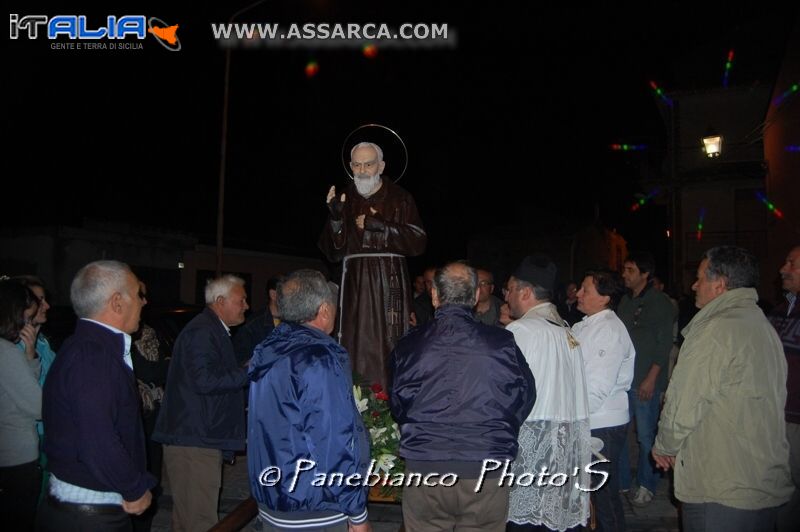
column 384, row 435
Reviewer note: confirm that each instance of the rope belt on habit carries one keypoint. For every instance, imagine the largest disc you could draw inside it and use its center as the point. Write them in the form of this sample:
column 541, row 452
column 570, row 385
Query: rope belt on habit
column 83, row 508
column 344, row 274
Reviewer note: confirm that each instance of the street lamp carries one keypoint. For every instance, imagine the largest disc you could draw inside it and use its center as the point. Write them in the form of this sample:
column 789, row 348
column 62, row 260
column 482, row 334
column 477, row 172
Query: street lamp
column 712, row 144
column 224, row 144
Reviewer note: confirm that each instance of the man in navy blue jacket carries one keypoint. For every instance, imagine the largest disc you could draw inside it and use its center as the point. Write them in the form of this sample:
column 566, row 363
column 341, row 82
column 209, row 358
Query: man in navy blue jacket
column 95, row 442
column 460, row 391
column 303, row 423
column 202, row 415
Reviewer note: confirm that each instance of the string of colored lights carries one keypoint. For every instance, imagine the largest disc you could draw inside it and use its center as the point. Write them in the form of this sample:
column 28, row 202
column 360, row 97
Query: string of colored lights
column 641, row 202
column 312, row 67
column 660, row 93
column 793, row 147
column 771, row 206
column 369, row 51
column 700, row 221
column 788, row 92
column 629, row 147
column 728, row 65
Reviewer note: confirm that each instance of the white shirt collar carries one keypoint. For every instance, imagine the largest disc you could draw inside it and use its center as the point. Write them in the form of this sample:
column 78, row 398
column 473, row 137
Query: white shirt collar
column 227, row 329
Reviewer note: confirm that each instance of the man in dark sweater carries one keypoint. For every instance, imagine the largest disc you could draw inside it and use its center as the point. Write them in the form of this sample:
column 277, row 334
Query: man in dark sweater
column 460, row 391
column 648, row 316
column 95, row 443
column 786, row 320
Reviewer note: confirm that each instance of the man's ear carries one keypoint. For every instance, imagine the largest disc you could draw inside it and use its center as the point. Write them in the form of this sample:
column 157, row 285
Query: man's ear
column 525, row 293
column 722, row 285
column 381, row 166
column 477, row 295
column 116, row 302
column 435, row 297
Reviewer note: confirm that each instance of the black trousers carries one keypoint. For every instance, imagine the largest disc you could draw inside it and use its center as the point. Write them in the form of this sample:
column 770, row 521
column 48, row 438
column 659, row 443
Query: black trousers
column 62, row 519
column 19, row 491
column 155, row 460
column 607, row 503
column 713, row 517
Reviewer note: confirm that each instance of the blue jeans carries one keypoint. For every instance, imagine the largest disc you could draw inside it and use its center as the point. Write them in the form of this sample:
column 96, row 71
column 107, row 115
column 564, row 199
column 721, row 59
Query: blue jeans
column 607, row 503
column 646, row 415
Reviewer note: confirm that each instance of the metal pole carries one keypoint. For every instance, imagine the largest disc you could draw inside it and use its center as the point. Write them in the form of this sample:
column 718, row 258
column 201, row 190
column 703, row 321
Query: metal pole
column 222, row 160
column 677, row 224
column 224, row 145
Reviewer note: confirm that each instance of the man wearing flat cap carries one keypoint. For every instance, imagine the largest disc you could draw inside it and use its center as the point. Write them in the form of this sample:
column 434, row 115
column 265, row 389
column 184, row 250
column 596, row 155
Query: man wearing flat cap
column 556, row 434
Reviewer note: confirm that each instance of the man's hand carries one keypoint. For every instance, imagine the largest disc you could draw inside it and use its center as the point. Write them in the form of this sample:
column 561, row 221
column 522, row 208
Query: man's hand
column 505, row 314
column 360, row 221
column 646, row 389
column 363, row 527
column 335, row 206
column 138, row 506
column 663, row 461
column 28, row 335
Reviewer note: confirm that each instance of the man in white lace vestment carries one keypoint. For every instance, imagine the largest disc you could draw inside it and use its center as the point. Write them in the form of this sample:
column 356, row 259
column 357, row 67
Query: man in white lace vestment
column 554, row 441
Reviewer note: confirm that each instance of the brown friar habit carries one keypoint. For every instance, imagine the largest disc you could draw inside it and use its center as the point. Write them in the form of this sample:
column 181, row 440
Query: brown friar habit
column 377, row 292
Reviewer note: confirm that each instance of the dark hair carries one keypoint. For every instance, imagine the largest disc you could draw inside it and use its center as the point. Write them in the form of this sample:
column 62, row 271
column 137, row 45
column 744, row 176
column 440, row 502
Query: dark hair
column 456, row 284
column 738, row 266
column 272, row 283
column 15, row 299
column 487, row 270
column 608, row 283
column 644, row 261
column 28, row 280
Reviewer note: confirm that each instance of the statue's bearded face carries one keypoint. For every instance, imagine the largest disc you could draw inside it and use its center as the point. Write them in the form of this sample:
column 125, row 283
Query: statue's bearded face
column 367, row 170
column 366, row 184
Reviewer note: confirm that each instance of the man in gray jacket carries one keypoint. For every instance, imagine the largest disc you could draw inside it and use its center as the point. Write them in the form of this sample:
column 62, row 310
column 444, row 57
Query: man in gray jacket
column 722, row 426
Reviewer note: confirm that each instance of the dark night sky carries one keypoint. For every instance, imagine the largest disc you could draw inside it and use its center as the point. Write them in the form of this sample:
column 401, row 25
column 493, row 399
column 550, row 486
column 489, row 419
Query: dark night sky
column 524, row 107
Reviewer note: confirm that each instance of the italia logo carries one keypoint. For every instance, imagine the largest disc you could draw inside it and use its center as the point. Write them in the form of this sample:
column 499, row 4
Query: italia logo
column 76, row 27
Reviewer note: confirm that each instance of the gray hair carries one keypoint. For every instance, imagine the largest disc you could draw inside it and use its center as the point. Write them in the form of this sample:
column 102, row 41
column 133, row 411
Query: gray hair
column 221, row 287
column 95, row 283
column 372, row 145
column 456, row 284
column 738, row 266
column 301, row 294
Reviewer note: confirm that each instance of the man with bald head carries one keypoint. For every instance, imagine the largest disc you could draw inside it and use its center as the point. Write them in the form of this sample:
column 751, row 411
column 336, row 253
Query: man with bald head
column 372, row 227
column 460, row 391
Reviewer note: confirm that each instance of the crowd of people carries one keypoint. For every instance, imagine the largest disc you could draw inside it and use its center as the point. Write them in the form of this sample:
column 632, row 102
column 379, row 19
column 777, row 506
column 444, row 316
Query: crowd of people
column 513, row 413
column 492, row 405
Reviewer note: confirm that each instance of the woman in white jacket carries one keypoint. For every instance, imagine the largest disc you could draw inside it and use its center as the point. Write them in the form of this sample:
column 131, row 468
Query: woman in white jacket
column 608, row 357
